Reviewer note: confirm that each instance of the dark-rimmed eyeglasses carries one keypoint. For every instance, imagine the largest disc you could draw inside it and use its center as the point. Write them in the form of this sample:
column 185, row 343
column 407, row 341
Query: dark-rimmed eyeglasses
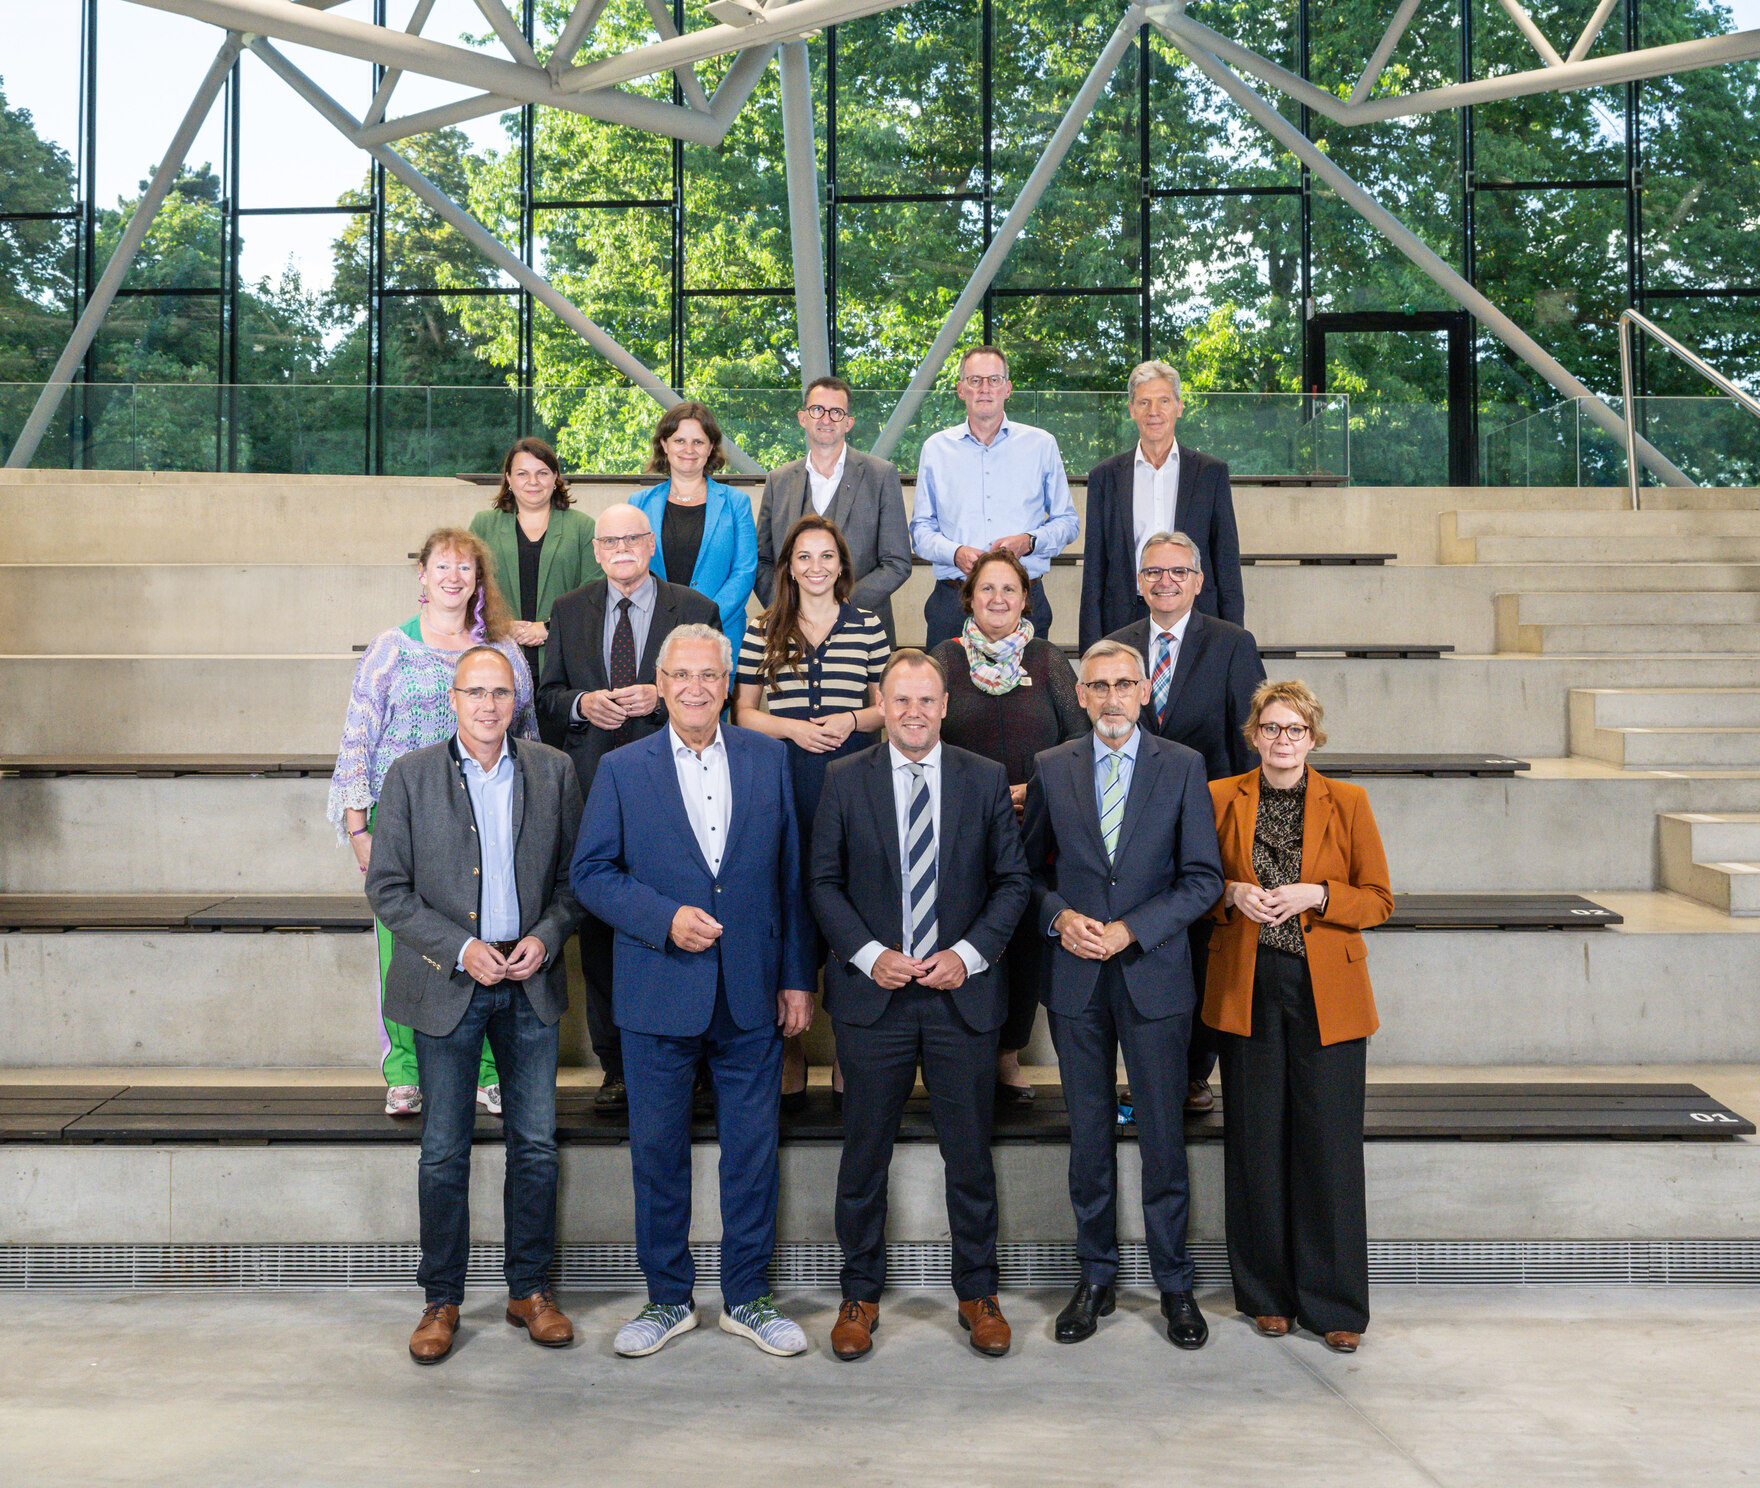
column 825, row 411
column 1294, row 732
column 1156, row 575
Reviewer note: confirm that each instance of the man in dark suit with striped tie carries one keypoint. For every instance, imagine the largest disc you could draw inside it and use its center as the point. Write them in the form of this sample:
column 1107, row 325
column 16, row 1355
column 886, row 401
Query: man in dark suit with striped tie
column 917, row 881
column 1202, row 673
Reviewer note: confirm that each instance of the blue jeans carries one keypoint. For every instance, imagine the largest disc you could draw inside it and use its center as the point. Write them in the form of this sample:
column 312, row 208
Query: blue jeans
column 525, row 1054
column 660, row 1071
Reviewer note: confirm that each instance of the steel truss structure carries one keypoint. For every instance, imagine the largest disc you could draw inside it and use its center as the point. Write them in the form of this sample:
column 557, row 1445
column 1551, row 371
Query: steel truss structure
column 756, row 31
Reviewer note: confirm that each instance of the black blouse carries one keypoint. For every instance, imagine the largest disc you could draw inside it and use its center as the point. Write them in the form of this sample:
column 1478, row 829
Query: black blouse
column 1015, row 726
column 529, row 554
column 681, row 535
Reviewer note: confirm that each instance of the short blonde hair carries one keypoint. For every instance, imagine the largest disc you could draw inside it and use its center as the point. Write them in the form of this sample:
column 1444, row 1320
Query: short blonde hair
column 1293, row 694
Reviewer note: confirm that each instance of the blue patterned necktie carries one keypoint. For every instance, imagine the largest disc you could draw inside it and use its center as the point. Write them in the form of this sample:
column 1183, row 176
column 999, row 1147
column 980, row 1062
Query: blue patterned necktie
column 1112, row 802
column 919, row 859
column 1161, row 677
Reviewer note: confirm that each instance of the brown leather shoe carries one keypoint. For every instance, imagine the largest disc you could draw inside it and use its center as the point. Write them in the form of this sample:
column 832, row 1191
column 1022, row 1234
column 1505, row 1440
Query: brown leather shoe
column 1343, row 1341
column 1199, row 1097
column 432, row 1340
column 983, row 1319
column 539, row 1315
column 1272, row 1327
column 852, row 1335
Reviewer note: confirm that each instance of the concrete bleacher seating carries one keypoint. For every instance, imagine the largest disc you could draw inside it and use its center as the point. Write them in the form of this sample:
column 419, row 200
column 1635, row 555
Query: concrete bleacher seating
column 197, row 633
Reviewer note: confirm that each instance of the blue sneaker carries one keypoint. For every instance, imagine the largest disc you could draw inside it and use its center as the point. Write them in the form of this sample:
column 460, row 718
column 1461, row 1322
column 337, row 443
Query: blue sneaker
column 651, row 1329
column 759, row 1321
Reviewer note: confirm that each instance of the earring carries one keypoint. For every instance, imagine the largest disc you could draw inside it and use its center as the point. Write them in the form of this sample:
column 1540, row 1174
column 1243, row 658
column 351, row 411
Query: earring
column 422, row 594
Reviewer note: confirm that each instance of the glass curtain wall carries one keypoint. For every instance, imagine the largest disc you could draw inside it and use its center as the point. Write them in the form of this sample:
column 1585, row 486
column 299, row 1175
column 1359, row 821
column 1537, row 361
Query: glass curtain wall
column 380, row 341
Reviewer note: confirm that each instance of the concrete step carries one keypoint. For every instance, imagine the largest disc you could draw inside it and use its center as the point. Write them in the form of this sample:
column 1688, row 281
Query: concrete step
column 1659, row 707
column 1610, row 549
column 1713, row 857
column 1696, row 521
column 1675, row 748
column 1648, row 990
column 1604, row 606
column 1696, row 736
column 1622, row 640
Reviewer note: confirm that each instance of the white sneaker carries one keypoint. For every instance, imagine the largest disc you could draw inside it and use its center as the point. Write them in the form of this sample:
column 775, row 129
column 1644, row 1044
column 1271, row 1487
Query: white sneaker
column 651, row 1329
column 489, row 1098
column 759, row 1321
column 403, row 1100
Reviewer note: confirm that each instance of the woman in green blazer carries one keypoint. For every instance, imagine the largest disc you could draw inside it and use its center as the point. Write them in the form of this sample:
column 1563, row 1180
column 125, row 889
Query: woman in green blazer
column 542, row 546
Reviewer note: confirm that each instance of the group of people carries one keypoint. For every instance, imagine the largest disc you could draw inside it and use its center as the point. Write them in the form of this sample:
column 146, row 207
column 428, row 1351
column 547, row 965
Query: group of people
column 1140, row 847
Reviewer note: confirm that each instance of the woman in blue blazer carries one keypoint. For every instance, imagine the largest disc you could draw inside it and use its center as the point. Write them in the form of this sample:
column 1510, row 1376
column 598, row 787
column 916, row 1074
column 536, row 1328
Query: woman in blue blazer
column 703, row 531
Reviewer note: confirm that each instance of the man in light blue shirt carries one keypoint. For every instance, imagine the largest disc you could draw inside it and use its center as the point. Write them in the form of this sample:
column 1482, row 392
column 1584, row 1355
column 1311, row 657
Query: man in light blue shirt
column 984, row 484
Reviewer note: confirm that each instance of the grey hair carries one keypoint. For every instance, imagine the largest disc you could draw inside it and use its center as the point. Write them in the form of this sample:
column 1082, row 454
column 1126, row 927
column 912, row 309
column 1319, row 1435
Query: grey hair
column 1179, row 540
column 1150, row 372
column 1109, row 647
column 696, row 633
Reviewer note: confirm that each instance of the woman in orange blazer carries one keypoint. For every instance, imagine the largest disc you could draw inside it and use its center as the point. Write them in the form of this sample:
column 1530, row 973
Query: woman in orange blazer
column 1288, row 990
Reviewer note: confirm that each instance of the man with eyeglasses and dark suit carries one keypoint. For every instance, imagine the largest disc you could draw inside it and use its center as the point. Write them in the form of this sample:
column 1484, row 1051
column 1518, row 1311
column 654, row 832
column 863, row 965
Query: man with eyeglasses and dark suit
column 860, row 493
column 988, row 483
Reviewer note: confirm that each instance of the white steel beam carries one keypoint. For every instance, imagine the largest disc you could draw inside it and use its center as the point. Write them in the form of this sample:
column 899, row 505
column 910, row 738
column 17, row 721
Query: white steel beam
column 1592, row 30
column 388, row 84
column 686, row 76
column 24, row 450
column 486, row 243
column 581, row 21
column 1536, row 37
column 612, row 105
column 801, row 163
column 1396, row 28
column 1074, row 117
column 1420, row 253
column 504, row 26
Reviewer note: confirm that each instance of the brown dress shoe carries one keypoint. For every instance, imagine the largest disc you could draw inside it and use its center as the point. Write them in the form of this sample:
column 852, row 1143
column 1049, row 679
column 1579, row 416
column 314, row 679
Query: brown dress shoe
column 1272, row 1327
column 539, row 1315
column 1343, row 1341
column 432, row 1340
column 983, row 1319
column 852, row 1335
column 1199, row 1097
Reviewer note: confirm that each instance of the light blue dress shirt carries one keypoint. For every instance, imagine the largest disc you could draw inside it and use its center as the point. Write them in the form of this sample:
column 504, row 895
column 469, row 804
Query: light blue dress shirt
column 969, row 494
column 492, row 800
column 1127, row 762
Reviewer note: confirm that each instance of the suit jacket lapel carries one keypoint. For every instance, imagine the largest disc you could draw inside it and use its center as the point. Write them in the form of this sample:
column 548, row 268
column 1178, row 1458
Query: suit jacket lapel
column 886, row 823
column 1188, row 488
column 1081, row 770
column 664, row 775
column 1122, row 515
column 739, row 784
column 1241, row 819
column 1194, row 641
column 1316, row 818
column 546, row 559
column 598, row 596
column 714, row 514
column 662, row 621
column 1143, row 778
column 953, row 786
column 843, row 499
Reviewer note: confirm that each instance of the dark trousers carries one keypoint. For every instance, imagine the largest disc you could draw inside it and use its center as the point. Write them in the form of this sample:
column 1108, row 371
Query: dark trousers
column 1155, row 1062
column 594, row 945
column 525, row 1056
column 944, row 617
column 879, row 1071
column 1298, row 1234
column 1024, row 964
column 747, row 1069
column 1201, row 1052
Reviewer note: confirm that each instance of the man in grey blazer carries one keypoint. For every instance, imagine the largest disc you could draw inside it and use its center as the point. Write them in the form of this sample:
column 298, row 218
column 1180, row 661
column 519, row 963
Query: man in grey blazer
column 1121, row 841
column 470, row 873
column 858, row 492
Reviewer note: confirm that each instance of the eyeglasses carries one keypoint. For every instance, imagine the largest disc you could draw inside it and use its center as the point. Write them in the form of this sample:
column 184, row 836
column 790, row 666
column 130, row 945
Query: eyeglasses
column 978, row 380
column 1104, row 690
column 824, row 411
column 1294, row 732
column 632, row 542
column 1156, row 575
column 500, row 696
column 705, row 679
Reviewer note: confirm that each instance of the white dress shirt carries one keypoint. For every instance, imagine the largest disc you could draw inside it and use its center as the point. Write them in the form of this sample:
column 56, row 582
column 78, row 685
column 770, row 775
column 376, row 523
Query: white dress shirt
column 823, row 487
column 708, row 793
column 1155, row 499
column 903, row 785
column 491, row 793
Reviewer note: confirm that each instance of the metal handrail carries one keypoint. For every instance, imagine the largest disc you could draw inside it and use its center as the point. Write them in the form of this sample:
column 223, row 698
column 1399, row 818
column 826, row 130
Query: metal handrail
column 1630, row 318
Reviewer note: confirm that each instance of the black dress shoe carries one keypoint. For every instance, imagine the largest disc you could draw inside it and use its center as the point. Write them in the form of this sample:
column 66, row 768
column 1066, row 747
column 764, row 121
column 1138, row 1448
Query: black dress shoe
column 1015, row 1096
column 1087, row 1304
column 837, row 1101
column 1186, row 1327
column 794, row 1101
column 612, row 1096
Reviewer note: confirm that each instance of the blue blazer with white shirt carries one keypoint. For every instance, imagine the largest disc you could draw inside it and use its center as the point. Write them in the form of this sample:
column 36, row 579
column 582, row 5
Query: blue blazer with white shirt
column 727, row 562
column 637, row 862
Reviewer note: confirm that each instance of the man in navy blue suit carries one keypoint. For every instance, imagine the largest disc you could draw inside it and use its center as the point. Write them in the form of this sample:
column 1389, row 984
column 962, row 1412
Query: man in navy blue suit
column 1158, row 485
column 689, row 851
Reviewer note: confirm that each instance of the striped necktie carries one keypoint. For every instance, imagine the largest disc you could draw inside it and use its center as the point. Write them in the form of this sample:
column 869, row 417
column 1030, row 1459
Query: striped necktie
column 1161, row 678
column 1112, row 802
column 919, row 857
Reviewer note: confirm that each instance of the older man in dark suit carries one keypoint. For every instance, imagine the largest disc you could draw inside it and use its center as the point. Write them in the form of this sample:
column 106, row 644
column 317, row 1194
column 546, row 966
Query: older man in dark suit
column 917, row 882
column 1159, row 485
column 860, row 493
column 470, row 874
column 1202, row 675
column 1121, row 839
column 598, row 693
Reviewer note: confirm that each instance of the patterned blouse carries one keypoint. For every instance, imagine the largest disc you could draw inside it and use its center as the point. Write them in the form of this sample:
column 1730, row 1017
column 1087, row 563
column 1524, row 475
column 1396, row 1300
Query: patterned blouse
column 1277, row 856
column 400, row 702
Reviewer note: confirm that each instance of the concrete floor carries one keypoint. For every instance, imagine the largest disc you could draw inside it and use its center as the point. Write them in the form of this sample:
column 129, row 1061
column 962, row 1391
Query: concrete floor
column 1602, row 1386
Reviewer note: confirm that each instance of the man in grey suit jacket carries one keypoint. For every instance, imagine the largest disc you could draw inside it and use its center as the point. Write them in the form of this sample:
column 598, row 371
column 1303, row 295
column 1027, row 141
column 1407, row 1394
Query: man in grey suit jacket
column 858, row 492
column 1121, row 840
column 470, row 873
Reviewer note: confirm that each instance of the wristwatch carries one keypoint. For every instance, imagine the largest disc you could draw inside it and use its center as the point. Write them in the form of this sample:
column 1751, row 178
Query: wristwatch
column 1032, row 544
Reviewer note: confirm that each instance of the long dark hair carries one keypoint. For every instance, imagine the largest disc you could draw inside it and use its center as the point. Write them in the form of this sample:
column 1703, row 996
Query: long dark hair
column 559, row 497
column 668, row 426
column 784, row 645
